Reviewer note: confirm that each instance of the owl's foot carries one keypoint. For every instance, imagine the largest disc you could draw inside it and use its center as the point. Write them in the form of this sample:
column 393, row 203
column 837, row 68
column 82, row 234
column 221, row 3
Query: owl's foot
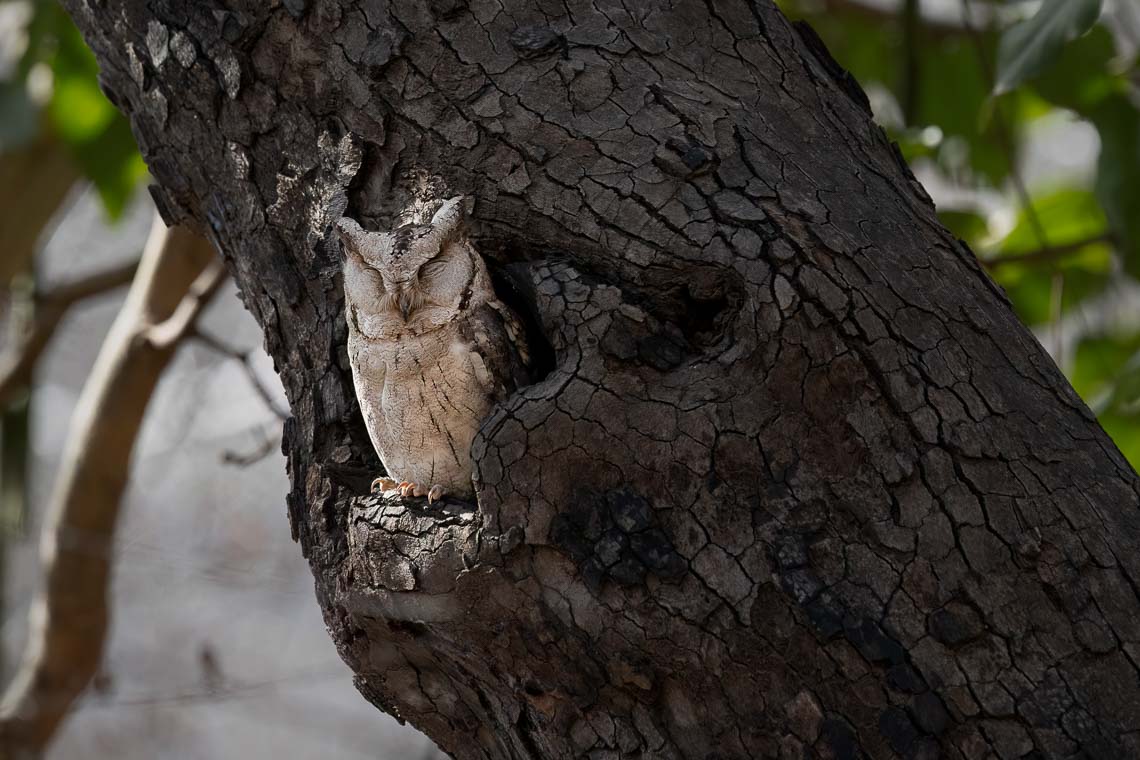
column 435, row 493
column 382, row 484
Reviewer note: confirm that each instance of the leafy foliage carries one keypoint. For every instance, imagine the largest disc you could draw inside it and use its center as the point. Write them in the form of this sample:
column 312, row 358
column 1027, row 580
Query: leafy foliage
column 1069, row 219
column 1107, row 375
column 1028, row 47
column 1118, row 173
column 977, row 91
column 75, row 111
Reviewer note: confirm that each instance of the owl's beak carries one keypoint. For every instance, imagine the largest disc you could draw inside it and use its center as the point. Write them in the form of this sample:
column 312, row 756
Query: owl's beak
column 406, row 303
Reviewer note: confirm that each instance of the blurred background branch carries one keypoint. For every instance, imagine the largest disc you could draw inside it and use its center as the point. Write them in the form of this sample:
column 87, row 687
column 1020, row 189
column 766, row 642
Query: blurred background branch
column 245, row 359
column 34, row 181
column 176, row 275
column 19, row 359
column 1047, row 256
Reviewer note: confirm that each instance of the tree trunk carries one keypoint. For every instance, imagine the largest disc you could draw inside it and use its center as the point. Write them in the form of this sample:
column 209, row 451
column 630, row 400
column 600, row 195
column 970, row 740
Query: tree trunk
column 797, row 482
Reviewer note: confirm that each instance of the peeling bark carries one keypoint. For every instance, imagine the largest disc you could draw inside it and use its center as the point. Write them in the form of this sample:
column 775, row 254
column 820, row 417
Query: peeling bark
column 797, row 483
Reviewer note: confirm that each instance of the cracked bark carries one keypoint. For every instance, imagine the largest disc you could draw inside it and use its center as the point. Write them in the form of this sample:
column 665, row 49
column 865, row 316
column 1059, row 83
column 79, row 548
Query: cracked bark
column 797, row 484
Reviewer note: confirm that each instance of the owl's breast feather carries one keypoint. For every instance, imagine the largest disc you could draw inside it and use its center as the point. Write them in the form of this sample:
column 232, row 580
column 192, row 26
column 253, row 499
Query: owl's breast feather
column 423, row 398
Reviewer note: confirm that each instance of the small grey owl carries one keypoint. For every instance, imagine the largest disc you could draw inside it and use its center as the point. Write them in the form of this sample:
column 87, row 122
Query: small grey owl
column 431, row 348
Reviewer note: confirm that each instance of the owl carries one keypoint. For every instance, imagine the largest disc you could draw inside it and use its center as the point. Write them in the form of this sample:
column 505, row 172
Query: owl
column 431, row 347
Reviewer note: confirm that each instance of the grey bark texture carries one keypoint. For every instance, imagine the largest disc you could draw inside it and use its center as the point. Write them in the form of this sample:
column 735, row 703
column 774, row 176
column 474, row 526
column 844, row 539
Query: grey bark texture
column 797, row 484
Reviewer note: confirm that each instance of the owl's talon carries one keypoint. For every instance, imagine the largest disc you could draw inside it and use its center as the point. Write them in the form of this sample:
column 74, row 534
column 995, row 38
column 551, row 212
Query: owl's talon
column 408, row 488
column 382, row 484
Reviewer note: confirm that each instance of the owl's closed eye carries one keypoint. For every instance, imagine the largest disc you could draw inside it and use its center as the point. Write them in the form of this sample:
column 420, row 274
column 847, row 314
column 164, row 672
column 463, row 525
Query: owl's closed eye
column 412, row 279
column 434, row 268
column 373, row 278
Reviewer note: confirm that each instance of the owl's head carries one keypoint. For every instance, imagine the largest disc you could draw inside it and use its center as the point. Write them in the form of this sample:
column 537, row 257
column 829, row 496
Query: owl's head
column 414, row 278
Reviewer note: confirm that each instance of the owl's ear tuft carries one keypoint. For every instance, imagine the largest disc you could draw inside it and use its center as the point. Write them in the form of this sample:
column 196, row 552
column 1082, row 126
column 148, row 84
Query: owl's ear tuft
column 347, row 230
column 361, row 246
column 447, row 221
column 348, row 236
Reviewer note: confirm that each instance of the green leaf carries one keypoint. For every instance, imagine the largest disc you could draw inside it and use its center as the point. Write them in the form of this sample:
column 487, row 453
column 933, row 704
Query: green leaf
column 967, row 225
column 960, row 110
column 1028, row 47
column 868, row 48
column 1067, row 216
column 1118, row 174
column 112, row 162
column 1125, row 433
column 1079, row 78
column 78, row 109
column 79, row 112
column 1125, row 398
column 96, row 134
column 1030, row 287
column 1106, row 373
column 1098, row 361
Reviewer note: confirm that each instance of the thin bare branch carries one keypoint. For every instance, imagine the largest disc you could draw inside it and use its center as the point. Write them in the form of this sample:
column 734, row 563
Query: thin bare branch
column 220, row 693
column 246, row 360
column 1048, row 255
column 170, row 331
column 266, row 446
column 70, row 293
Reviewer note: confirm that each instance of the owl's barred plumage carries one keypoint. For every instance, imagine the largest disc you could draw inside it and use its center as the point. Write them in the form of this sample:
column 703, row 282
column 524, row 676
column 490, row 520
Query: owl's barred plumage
column 431, row 347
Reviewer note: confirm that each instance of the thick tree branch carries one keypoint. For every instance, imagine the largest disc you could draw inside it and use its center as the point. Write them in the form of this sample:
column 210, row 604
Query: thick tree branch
column 68, row 620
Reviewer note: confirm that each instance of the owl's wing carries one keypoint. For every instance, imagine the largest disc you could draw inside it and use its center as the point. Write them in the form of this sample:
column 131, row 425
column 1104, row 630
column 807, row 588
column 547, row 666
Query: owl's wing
column 516, row 336
column 498, row 339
